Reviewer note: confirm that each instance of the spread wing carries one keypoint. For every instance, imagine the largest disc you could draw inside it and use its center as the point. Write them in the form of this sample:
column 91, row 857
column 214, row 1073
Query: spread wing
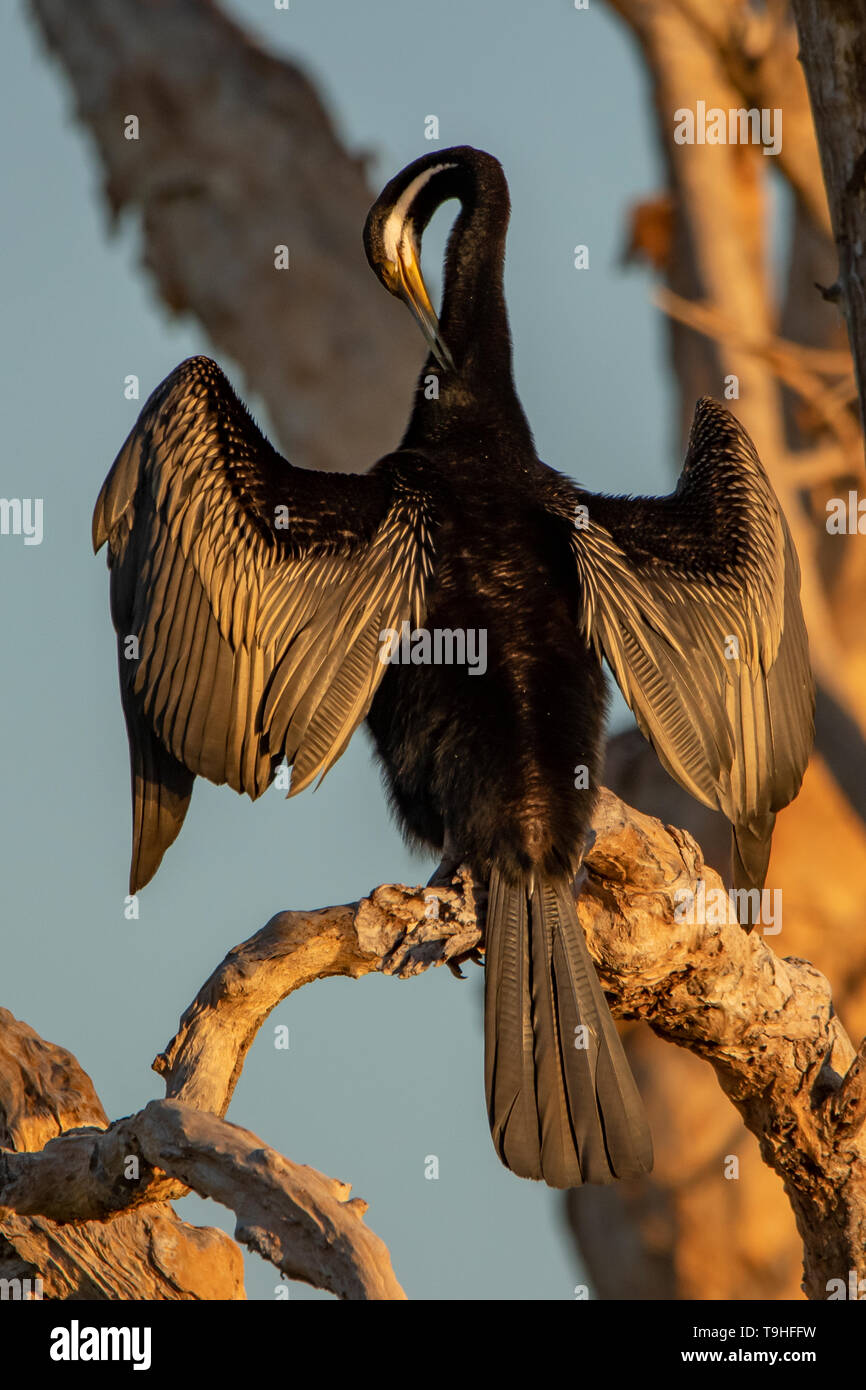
column 694, row 601
column 248, row 598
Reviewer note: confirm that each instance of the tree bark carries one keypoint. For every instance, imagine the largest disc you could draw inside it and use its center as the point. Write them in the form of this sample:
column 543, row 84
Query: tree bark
column 85, row 1206
column 833, row 54
column 766, row 1025
column 147, row 1253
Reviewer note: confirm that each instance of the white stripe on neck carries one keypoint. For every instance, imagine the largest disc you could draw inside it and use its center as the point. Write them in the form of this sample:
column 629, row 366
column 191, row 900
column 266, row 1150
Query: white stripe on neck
column 392, row 233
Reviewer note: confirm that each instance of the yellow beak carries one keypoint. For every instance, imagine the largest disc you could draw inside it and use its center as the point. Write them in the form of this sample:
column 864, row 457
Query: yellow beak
column 409, row 284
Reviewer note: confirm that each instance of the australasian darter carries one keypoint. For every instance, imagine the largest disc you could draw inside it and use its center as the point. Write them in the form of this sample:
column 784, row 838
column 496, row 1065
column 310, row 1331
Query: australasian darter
column 260, row 640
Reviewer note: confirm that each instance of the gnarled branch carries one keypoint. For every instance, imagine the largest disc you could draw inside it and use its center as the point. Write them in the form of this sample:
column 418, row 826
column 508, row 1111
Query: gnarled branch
column 301, row 1221
column 766, row 1025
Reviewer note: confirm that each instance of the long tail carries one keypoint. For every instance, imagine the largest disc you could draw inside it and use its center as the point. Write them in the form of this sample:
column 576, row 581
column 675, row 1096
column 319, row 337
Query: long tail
column 562, row 1102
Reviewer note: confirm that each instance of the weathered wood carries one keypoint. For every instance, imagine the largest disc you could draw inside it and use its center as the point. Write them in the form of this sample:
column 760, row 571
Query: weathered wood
column 149, row 1253
column 389, row 932
column 84, row 1205
column 43, row 1090
column 766, row 1025
column 145, row 1254
column 833, row 55
column 301, row 1221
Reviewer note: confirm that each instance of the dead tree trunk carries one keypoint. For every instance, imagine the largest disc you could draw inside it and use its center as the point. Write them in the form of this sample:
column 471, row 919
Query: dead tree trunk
column 689, row 1232
column 833, row 54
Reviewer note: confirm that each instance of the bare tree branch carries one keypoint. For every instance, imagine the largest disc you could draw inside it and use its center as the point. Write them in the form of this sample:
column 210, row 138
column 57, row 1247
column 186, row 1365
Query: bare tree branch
column 391, row 931
column 147, row 1253
column 301, row 1221
column 766, row 1025
column 799, row 367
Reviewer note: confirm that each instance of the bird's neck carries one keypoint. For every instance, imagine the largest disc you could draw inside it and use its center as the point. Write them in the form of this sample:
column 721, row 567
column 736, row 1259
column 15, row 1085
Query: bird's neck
column 479, row 393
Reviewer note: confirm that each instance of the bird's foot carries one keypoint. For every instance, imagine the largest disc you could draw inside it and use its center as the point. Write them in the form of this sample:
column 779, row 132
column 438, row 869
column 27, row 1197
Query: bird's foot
column 453, row 872
column 445, row 872
column 453, row 861
column 475, row 954
column 580, row 877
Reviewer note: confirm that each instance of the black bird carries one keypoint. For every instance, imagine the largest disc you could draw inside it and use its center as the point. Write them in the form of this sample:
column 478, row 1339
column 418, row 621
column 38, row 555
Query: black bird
column 260, row 597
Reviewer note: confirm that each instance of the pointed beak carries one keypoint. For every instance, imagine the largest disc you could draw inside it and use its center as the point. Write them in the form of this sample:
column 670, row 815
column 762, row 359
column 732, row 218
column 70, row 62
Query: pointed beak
column 411, row 288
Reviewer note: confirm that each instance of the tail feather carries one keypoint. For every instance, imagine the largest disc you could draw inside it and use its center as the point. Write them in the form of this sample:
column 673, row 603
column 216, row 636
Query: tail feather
column 508, row 1056
column 562, row 1102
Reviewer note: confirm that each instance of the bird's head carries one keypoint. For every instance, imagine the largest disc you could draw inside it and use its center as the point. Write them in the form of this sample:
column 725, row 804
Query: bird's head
column 396, row 223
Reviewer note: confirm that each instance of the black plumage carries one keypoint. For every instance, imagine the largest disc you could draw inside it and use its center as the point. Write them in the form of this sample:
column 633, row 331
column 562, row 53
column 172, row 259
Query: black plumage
column 259, row 595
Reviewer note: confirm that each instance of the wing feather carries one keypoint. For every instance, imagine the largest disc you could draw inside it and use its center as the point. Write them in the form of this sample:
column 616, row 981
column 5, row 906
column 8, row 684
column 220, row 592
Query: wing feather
column 254, row 642
column 694, row 602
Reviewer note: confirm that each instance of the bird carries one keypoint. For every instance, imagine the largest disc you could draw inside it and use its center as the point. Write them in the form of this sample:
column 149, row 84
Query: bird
column 263, row 611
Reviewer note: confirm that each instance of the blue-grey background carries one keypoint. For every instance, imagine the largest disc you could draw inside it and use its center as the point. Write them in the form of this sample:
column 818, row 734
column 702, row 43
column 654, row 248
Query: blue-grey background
column 379, row 1073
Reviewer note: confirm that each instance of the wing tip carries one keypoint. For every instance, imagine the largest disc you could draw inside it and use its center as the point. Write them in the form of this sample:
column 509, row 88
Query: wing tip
column 137, row 879
column 118, row 489
column 714, row 424
column 98, row 527
column 751, row 844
